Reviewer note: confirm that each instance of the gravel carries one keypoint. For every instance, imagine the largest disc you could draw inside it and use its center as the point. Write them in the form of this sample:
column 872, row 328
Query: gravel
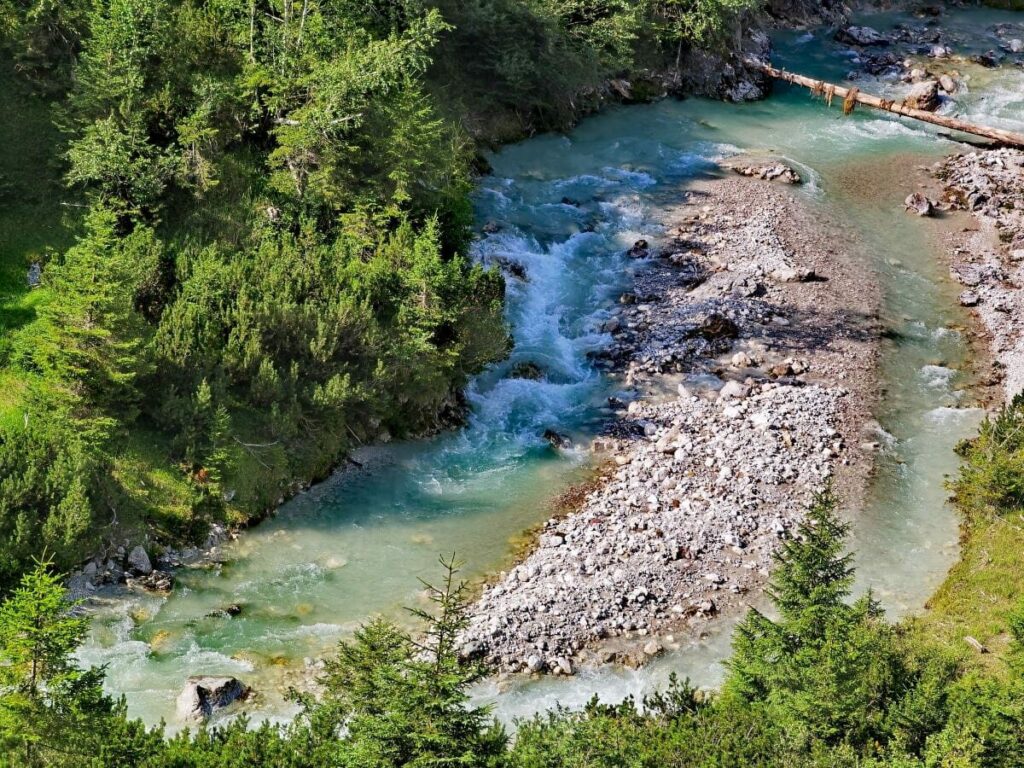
column 989, row 261
column 700, row 485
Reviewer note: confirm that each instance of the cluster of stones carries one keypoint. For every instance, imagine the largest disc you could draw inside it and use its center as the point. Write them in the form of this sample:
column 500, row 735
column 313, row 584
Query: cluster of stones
column 991, row 266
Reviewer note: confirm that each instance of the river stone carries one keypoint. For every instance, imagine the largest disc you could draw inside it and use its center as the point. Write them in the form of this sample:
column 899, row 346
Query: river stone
column 535, row 664
column 988, row 59
column 733, row 390
column 861, row 36
column 205, row 694
column 139, row 562
column 653, row 648
column 563, row 665
column 969, row 299
column 919, row 204
column 640, row 250
column 948, row 84
column 923, row 95
column 557, row 439
column 716, row 326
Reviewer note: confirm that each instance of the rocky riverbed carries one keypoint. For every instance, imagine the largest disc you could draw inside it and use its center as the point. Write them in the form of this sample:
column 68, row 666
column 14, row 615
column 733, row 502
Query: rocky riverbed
column 988, row 258
column 749, row 344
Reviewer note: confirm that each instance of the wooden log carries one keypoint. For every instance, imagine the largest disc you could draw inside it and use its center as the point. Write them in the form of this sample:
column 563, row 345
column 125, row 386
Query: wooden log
column 850, row 95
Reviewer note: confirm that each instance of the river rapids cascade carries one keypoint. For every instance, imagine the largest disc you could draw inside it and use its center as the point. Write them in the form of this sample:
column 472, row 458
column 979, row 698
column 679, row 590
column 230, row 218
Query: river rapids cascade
column 559, row 214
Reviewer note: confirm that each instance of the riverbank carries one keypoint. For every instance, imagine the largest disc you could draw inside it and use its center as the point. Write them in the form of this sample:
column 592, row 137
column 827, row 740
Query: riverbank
column 987, row 258
column 750, row 343
column 968, row 613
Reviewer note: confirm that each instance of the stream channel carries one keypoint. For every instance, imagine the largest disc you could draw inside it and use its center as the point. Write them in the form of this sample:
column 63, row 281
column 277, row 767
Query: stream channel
column 356, row 545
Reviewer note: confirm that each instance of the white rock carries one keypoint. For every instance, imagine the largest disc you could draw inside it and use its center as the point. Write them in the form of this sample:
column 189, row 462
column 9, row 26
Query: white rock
column 733, row 390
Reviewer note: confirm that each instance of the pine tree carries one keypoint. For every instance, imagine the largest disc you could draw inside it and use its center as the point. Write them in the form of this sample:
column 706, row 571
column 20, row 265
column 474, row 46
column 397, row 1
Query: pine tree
column 826, row 669
column 51, row 712
column 91, row 344
column 405, row 702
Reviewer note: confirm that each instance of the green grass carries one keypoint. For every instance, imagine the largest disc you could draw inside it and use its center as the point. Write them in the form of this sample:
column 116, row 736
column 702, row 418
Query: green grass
column 987, row 583
column 980, row 591
column 31, row 217
column 157, row 495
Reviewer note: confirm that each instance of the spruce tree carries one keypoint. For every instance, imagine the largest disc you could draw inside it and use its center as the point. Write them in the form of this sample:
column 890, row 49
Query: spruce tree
column 405, row 701
column 52, row 713
column 825, row 669
column 91, row 343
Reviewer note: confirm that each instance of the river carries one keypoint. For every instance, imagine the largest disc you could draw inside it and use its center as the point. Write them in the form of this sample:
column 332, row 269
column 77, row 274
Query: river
column 356, row 545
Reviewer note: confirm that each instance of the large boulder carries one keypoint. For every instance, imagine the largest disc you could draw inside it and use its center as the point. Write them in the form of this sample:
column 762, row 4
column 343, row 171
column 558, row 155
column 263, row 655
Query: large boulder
column 205, row 694
column 923, row 95
column 861, row 36
column 138, row 561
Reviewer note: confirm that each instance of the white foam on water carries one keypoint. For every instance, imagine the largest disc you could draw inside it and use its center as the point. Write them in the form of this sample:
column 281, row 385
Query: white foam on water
column 947, row 415
column 936, row 376
column 213, row 662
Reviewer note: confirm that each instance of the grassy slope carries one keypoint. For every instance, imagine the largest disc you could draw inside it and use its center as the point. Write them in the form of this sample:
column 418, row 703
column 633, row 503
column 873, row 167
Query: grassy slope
column 980, row 590
column 30, row 218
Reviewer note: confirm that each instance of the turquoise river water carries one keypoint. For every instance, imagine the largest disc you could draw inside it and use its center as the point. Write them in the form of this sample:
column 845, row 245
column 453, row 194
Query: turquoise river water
column 357, row 545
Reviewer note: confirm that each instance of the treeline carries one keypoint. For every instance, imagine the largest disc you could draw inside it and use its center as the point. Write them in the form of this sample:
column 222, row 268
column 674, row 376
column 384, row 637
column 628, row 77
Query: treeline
column 270, row 206
column 826, row 682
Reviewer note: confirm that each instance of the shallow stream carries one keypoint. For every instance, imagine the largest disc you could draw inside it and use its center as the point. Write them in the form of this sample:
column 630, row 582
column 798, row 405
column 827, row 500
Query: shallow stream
column 357, row 545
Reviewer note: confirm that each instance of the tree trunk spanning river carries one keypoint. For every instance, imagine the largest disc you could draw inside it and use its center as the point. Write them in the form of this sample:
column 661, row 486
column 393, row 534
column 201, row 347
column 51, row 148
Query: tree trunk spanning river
column 562, row 211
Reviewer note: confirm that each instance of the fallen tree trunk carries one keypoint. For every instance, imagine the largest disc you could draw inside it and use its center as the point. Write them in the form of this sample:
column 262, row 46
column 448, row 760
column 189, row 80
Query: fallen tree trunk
column 854, row 95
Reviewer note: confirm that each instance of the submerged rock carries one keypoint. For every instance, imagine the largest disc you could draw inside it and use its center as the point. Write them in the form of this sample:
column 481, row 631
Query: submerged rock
column 526, row 370
column 641, row 249
column 557, row 439
column 203, row 695
column 989, row 59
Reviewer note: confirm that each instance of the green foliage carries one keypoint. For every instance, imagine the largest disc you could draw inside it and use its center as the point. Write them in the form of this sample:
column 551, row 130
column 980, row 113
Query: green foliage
column 991, row 480
column 91, row 336
column 51, row 712
column 828, row 683
column 404, row 701
column 537, row 61
column 46, row 492
column 272, row 207
column 704, row 22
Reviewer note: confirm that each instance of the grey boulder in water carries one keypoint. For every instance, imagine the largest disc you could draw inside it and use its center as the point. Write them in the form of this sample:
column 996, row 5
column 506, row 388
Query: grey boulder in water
column 861, row 36
column 924, row 95
column 204, row 694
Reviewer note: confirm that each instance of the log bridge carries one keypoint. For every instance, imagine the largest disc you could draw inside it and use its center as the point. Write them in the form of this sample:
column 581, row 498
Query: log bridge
column 853, row 96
